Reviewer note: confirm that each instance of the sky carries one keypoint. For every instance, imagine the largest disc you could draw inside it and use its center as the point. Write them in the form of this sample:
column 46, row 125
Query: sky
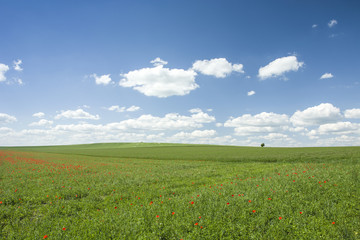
column 283, row 72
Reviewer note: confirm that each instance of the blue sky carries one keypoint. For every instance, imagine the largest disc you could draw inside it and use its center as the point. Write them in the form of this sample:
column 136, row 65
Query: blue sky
column 285, row 73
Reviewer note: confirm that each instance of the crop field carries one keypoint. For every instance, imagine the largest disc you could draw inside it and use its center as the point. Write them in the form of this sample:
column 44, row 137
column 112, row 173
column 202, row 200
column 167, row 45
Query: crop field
column 177, row 191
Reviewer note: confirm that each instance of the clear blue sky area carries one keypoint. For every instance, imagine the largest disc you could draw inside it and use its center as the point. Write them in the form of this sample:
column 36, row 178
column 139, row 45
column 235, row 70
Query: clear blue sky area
column 285, row 73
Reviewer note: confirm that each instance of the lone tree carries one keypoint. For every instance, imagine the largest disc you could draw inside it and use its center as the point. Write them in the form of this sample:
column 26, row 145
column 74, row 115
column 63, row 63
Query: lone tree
column 262, row 145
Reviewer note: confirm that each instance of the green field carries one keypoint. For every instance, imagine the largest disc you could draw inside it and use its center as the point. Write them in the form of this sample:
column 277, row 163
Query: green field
column 177, row 191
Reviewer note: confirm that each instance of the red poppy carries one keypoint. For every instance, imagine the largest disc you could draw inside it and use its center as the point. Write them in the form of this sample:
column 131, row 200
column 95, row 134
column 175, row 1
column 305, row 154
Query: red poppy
column 228, row 203
column 196, row 224
column 173, row 213
column 157, row 216
column 253, row 211
column 280, row 218
column 300, row 212
column 45, row 236
column 192, row 202
column 115, row 207
column 333, row 222
column 64, row 229
column 249, row 200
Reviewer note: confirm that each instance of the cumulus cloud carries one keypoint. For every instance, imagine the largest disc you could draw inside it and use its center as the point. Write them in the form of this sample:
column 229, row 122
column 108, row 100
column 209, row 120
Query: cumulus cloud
column 117, row 108
column 103, row 79
column 217, row 67
column 314, row 26
column 195, row 110
column 352, row 113
column 76, row 114
column 332, row 23
column 41, row 123
column 196, row 134
column 158, row 62
column 251, row 93
column 279, row 67
column 39, row 115
column 6, row 118
column 264, row 122
column 171, row 121
column 339, row 128
column 17, row 64
column 326, row 75
column 3, row 69
column 321, row 114
column 159, row 81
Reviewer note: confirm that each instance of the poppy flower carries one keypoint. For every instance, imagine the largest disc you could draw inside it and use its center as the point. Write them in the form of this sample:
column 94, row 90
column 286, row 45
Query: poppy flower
column 45, row 236
column 63, row 229
column 333, row 222
column 173, row 213
column 253, row 211
column 301, row 212
column 157, row 216
column 280, row 218
column 196, row 224
column 228, row 203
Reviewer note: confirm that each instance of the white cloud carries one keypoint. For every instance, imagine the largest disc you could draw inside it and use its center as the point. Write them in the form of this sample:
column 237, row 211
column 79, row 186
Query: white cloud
column 133, row 109
column 251, row 93
column 41, row 123
column 3, row 69
column 196, row 134
column 314, row 26
column 279, row 67
column 171, row 121
column 352, row 113
column 332, row 23
column 158, row 62
column 39, row 114
column 6, row 118
column 17, row 64
column 160, row 82
column 326, row 75
column 321, row 114
column 103, row 79
column 117, row 108
column 217, row 67
column 195, row 110
column 77, row 114
column 339, row 128
column 261, row 123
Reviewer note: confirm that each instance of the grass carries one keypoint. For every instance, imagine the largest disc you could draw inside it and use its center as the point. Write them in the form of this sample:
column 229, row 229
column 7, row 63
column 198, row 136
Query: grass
column 176, row 191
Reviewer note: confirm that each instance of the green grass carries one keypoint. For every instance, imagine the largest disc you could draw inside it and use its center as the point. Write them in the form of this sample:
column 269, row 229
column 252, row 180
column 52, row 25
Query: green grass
column 117, row 190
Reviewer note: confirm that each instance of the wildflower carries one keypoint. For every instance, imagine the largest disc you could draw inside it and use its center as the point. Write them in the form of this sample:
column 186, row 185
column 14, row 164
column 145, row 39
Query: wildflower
column 192, row 202
column 249, row 201
column 63, row 229
column 301, row 212
column 253, row 211
column 228, row 203
column 115, row 207
column 196, row 224
column 333, row 222
column 173, row 213
column 45, row 236
column 280, row 218
column 157, row 216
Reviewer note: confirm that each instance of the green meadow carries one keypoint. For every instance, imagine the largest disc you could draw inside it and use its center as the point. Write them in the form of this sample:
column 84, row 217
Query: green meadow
column 178, row 191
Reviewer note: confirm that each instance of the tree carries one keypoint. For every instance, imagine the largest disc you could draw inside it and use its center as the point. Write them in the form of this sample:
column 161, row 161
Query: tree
column 263, row 145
